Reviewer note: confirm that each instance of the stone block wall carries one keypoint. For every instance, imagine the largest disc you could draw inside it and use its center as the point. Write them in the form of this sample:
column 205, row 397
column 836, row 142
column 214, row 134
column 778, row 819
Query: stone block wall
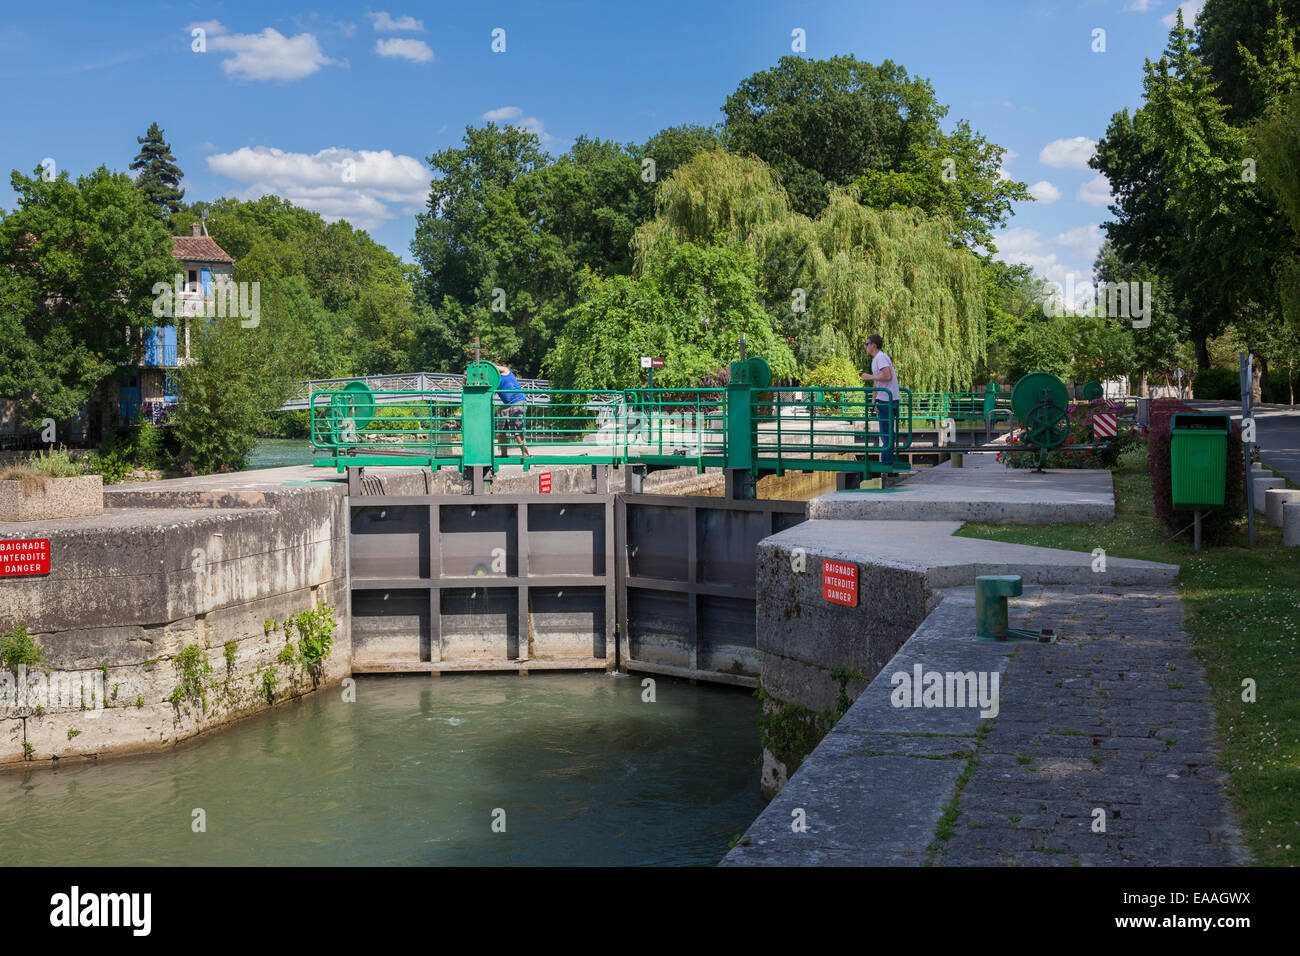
column 129, row 590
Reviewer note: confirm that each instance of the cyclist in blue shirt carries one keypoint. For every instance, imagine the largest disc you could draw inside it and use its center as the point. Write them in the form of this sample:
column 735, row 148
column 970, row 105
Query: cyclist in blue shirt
column 513, row 403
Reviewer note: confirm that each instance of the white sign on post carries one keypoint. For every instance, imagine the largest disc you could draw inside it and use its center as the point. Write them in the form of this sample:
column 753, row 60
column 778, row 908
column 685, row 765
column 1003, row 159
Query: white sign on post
column 645, row 361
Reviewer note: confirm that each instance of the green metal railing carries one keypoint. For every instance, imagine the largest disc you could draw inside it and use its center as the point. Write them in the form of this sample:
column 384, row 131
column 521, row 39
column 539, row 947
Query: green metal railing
column 748, row 425
column 826, row 429
column 399, row 421
column 938, row 407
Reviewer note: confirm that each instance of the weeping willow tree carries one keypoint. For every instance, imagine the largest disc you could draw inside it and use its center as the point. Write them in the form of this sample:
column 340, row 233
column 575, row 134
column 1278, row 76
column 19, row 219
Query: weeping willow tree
column 832, row 281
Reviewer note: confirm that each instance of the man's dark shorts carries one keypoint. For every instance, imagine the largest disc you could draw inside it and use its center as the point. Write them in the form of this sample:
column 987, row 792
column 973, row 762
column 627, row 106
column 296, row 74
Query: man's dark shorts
column 511, row 417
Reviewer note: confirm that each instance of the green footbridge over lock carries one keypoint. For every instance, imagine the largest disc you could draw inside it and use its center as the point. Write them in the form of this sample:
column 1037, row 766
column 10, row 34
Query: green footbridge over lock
column 749, row 428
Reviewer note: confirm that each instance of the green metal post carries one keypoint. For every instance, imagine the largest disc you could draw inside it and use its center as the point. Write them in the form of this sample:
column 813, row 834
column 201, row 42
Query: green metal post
column 991, row 593
column 481, row 381
column 740, row 419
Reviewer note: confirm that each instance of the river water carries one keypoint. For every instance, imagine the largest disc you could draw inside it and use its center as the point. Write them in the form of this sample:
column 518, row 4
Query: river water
column 578, row 768
column 279, row 452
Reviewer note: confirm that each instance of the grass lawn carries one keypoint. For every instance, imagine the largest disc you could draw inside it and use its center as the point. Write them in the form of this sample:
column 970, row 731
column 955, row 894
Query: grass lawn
column 1243, row 612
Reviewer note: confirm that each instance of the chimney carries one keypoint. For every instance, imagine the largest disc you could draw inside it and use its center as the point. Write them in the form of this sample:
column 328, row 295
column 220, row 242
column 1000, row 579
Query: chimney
column 196, row 229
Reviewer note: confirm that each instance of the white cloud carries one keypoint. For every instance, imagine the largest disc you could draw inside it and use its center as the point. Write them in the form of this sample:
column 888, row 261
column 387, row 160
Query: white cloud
column 515, row 116
column 502, row 114
column 365, row 187
column 1095, row 192
column 1191, row 10
column 1072, row 153
column 1085, row 239
column 1044, row 191
column 1140, row 6
column 384, row 22
column 417, row 51
column 1007, row 156
column 1070, row 254
column 268, row 55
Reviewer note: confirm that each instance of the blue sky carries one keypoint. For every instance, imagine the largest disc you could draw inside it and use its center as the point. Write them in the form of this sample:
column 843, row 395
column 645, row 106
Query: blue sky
column 335, row 105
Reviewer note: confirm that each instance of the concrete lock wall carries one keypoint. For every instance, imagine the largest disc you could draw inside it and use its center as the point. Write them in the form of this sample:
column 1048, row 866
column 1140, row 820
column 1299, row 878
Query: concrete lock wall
column 129, row 590
column 817, row 656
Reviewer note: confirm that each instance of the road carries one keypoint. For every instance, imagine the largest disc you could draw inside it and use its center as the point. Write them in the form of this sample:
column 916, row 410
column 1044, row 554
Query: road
column 1277, row 429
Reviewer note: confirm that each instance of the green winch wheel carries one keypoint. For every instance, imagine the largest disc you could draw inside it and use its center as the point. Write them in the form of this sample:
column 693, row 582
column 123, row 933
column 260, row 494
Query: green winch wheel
column 1047, row 426
column 1038, row 388
column 482, row 373
column 355, row 402
column 1093, row 391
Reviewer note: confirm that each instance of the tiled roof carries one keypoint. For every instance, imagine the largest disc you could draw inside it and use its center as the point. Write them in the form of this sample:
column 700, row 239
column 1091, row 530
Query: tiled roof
column 199, row 249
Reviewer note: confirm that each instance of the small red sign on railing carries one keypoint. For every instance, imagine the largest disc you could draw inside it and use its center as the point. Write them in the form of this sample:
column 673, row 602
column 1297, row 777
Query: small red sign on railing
column 840, row 583
column 28, row 556
column 544, row 482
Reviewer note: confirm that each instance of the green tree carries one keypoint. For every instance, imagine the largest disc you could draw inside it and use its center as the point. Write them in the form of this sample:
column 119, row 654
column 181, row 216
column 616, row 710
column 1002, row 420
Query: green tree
column 1227, row 29
column 691, row 307
column 1012, row 296
column 827, row 123
column 1161, row 347
column 78, row 263
column 1223, row 215
column 159, row 177
column 239, row 376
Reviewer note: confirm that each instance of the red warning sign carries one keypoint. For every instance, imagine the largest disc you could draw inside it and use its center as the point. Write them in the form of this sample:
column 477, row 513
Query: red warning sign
column 840, row 583
column 28, row 556
column 544, row 482
column 1103, row 426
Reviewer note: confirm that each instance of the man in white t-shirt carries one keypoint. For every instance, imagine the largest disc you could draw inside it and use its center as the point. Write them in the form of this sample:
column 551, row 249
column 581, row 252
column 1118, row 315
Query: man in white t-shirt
column 882, row 374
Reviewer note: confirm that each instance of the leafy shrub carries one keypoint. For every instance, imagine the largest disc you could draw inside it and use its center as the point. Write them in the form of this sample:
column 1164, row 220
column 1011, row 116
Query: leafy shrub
column 56, row 464
column 148, row 447
column 17, row 647
column 1281, row 387
column 315, row 628
column 291, row 424
column 835, row 371
column 1217, row 384
column 194, row 668
column 1218, row 526
column 113, row 460
column 270, row 678
column 1081, row 415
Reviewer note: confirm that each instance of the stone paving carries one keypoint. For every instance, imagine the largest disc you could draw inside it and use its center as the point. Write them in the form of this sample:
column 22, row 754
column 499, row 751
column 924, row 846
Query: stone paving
column 1116, row 716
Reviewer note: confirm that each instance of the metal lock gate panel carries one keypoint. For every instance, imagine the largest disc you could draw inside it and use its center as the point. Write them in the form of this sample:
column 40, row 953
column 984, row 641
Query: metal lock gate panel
column 528, row 582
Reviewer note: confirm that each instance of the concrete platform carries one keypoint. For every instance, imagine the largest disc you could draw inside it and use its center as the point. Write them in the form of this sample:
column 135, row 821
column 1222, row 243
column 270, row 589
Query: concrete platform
column 930, row 548
column 982, row 491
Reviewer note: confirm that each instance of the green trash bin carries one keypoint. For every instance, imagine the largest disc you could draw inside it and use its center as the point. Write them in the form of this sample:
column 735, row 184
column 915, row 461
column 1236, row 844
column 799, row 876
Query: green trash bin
column 1198, row 459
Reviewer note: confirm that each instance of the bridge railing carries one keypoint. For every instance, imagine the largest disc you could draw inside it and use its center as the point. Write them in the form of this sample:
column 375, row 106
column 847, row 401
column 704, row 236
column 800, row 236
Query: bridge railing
column 428, row 422
column 585, row 419
column 690, row 423
column 798, row 425
column 445, row 384
column 778, row 428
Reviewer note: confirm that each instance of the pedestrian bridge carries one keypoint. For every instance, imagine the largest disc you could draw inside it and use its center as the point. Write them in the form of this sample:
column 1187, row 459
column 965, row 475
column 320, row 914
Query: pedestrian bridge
column 398, row 387
column 748, row 428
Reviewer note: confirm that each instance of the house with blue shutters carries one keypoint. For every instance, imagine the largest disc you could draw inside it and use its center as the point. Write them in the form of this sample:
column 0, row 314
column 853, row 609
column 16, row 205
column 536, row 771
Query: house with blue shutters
column 147, row 385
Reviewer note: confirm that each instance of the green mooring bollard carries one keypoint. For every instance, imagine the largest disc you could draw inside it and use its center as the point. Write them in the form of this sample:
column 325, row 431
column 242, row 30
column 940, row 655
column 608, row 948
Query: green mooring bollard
column 991, row 620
